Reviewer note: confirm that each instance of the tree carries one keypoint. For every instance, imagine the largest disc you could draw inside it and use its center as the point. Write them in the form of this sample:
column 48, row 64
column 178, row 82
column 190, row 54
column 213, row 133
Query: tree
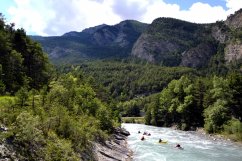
column 105, row 118
column 22, row 96
column 28, row 135
column 235, row 85
column 216, row 116
column 59, row 149
column 217, row 113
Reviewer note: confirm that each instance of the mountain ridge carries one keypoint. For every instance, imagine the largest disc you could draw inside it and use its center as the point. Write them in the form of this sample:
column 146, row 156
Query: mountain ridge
column 166, row 41
column 100, row 42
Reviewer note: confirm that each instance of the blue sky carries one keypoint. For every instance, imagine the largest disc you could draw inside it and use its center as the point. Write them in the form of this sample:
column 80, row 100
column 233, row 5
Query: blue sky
column 186, row 4
column 4, row 5
column 56, row 17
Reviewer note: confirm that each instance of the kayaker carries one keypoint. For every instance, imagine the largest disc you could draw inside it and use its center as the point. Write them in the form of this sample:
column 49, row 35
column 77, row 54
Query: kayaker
column 142, row 138
column 160, row 140
column 178, row 146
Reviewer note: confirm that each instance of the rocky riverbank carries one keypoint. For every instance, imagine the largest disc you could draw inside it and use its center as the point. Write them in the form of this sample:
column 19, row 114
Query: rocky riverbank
column 114, row 149
column 214, row 137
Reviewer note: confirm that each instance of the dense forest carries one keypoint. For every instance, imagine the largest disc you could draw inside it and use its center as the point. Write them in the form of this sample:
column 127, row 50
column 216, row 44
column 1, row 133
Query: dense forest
column 213, row 102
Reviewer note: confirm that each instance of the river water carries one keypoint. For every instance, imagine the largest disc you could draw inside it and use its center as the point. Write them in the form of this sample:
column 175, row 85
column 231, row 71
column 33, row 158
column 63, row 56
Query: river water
column 196, row 147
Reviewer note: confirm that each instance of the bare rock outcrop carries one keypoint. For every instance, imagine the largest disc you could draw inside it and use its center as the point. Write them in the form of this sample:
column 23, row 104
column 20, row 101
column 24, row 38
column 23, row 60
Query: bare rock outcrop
column 233, row 51
column 220, row 33
column 198, row 56
column 234, row 21
column 148, row 48
column 114, row 149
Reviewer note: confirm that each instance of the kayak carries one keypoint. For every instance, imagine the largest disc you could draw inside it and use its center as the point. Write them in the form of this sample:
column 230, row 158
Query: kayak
column 163, row 142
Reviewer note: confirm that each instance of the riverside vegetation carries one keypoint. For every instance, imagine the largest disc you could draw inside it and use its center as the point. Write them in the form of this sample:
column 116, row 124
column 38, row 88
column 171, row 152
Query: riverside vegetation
column 48, row 116
column 56, row 112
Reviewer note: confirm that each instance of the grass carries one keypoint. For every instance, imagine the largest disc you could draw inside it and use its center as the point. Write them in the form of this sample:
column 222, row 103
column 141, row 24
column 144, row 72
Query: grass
column 138, row 120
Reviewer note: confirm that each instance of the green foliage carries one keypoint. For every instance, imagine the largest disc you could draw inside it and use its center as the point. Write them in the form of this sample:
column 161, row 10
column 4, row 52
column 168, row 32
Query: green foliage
column 58, row 149
column 130, row 108
column 59, row 122
column 177, row 102
column 126, row 80
column 28, row 135
column 235, row 85
column 105, row 118
column 213, row 102
column 22, row 96
column 215, row 116
column 217, row 113
column 234, row 129
column 137, row 120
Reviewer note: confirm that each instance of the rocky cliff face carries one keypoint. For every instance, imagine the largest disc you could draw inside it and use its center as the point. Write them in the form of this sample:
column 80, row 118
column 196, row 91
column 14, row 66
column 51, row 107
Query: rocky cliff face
column 234, row 21
column 198, row 56
column 151, row 50
column 115, row 148
column 233, row 49
column 172, row 42
column 220, row 32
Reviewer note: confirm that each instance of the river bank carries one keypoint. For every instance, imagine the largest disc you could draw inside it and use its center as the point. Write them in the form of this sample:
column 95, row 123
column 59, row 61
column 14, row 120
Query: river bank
column 115, row 148
column 217, row 137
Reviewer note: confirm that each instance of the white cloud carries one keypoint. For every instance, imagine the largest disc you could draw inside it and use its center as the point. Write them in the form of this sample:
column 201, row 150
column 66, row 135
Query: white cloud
column 203, row 13
column 160, row 9
column 29, row 17
column 55, row 17
column 233, row 5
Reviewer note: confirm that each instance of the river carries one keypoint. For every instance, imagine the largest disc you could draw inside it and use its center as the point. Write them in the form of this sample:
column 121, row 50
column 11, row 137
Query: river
column 196, row 147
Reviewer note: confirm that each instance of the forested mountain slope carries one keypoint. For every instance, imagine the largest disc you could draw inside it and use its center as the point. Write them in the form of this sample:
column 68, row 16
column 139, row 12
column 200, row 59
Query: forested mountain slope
column 98, row 42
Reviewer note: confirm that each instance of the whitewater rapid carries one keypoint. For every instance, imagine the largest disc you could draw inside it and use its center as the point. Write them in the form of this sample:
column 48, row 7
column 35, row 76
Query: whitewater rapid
column 196, row 147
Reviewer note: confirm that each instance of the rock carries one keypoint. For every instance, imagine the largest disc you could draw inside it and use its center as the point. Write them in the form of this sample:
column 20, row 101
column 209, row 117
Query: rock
column 7, row 153
column 220, row 32
column 164, row 41
column 3, row 128
column 234, row 21
column 114, row 149
column 198, row 56
column 233, row 51
column 121, row 131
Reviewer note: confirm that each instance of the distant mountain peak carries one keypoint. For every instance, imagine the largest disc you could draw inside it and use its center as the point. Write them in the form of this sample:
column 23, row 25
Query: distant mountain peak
column 102, row 41
column 91, row 30
column 71, row 33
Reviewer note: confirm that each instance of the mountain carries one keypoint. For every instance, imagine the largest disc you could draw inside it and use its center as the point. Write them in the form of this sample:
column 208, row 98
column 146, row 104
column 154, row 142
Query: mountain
column 98, row 42
column 166, row 41
column 174, row 42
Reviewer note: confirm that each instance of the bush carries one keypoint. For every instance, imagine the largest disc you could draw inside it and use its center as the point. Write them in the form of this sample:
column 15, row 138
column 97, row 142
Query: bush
column 234, row 128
